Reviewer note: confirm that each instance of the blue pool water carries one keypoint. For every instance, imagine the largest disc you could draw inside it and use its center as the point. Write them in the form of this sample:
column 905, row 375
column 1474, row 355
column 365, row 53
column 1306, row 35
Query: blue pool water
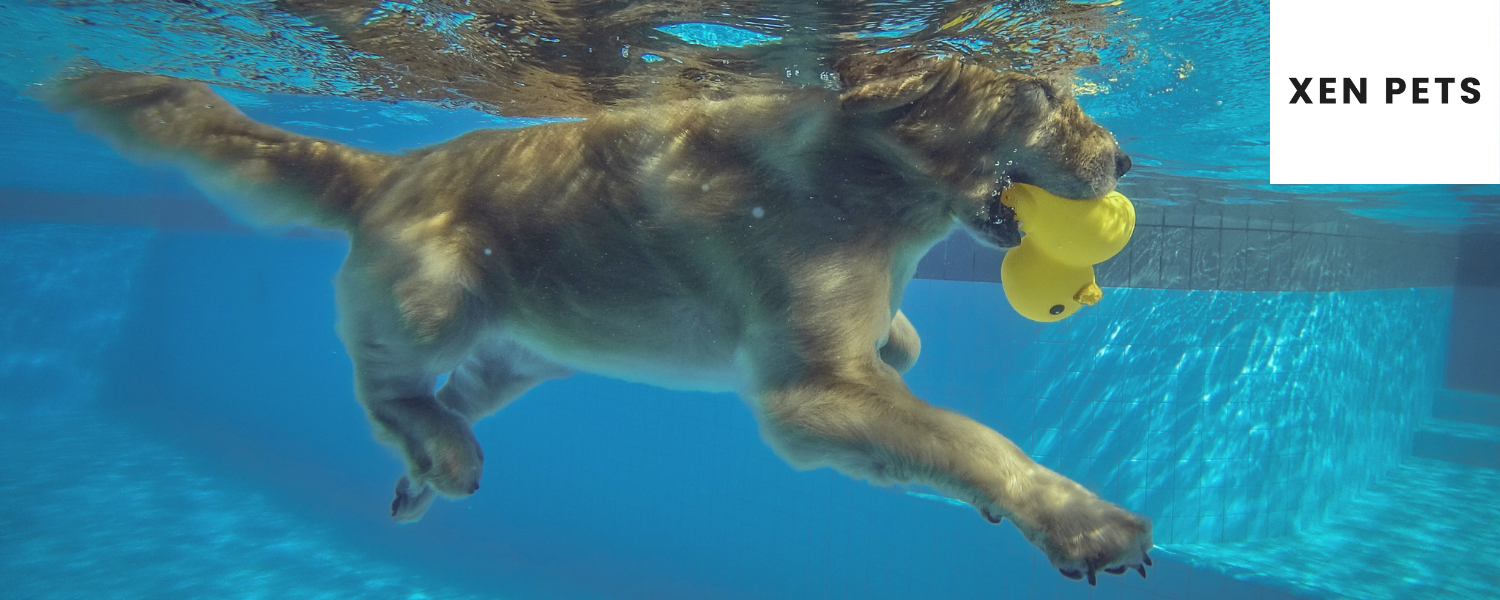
column 1296, row 383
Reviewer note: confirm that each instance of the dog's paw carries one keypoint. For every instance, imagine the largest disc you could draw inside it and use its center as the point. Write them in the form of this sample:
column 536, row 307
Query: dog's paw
column 1091, row 536
column 439, row 448
column 411, row 500
column 450, row 461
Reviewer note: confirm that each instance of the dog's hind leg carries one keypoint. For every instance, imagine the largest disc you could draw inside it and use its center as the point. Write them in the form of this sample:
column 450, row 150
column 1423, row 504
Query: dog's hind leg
column 396, row 364
column 902, row 345
column 494, row 374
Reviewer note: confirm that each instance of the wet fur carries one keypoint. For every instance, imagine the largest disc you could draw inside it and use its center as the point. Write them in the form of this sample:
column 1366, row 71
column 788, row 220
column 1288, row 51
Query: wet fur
column 757, row 245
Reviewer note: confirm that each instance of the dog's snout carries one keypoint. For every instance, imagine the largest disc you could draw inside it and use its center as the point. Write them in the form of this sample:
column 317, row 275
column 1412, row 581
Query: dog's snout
column 1122, row 164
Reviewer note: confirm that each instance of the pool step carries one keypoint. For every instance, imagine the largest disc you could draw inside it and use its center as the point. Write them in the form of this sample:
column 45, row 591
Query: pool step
column 1426, row 531
column 1465, row 429
column 1479, row 409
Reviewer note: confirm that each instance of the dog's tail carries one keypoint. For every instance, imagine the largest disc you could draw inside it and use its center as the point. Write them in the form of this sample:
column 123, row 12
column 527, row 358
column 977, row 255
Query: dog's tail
column 259, row 173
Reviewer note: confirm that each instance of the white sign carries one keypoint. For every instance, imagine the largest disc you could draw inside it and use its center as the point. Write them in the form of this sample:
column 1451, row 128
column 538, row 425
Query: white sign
column 1385, row 92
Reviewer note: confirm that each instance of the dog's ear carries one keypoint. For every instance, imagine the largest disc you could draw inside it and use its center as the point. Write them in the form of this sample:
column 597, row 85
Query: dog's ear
column 880, row 82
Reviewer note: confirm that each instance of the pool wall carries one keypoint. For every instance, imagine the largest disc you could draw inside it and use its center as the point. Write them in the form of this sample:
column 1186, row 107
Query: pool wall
column 1475, row 324
column 65, row 296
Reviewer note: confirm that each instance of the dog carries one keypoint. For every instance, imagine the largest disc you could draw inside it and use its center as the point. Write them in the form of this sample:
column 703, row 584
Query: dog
column 757, row 244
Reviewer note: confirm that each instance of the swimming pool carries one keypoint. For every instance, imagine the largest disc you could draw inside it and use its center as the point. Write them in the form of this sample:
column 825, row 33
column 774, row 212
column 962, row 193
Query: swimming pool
column 1295, row 383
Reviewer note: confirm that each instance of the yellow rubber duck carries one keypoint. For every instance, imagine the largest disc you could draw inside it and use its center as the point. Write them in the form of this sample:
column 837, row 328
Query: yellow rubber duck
column 1051, row 274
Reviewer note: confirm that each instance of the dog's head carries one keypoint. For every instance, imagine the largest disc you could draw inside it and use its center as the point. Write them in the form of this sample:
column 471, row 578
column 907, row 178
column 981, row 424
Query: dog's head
column 979, row 129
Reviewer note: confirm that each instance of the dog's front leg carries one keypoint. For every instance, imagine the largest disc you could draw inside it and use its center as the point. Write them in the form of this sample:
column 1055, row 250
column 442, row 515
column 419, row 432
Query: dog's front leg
column 860, row 419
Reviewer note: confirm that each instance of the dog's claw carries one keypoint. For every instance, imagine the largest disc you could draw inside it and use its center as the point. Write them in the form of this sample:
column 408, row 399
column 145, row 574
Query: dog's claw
column 1142, row 570
column 1146, row 558
column 1092, row 571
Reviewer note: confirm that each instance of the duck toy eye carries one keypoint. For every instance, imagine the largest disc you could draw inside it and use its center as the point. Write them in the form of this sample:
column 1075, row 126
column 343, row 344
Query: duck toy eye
column 1050, row 275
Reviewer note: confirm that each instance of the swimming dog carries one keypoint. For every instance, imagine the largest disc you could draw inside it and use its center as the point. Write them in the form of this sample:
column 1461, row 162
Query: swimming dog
column 757, row 244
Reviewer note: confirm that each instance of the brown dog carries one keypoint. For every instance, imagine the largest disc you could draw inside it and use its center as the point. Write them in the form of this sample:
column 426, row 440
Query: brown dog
column 758, row 245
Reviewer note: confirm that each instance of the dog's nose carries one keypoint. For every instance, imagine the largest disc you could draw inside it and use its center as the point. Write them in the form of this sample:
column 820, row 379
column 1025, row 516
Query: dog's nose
column 1122, row 164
